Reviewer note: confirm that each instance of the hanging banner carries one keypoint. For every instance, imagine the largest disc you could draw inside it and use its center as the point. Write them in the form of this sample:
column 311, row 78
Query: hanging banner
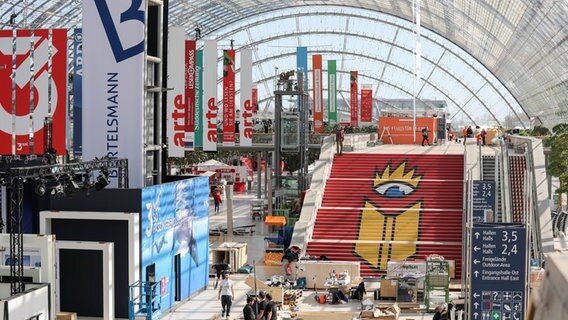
column 176, row 101
column 210, row 95
column 354, row 98
column 78, row 92
column 331, row 92
column 366, row 104
column 114, row 64
column 48, row 94
column 228, row 97
column 318, row 92
column 190, row 94
column 302, row 65
column 199, row 99
column 254, row 98
column 247, row 108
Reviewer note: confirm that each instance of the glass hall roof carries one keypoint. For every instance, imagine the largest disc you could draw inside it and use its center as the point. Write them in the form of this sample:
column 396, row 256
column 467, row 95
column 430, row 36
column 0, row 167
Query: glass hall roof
column 492, row 61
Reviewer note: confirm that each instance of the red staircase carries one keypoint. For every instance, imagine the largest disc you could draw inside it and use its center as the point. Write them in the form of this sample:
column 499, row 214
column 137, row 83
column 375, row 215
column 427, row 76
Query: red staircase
column 373, row 214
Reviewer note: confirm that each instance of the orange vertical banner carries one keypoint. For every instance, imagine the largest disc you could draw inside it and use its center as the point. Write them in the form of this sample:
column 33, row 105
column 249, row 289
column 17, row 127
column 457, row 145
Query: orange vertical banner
column 318, row 92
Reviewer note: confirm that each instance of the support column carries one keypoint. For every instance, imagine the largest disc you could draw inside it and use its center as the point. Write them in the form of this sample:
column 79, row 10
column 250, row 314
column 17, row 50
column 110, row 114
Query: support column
column 229, row 199
column 258, row 175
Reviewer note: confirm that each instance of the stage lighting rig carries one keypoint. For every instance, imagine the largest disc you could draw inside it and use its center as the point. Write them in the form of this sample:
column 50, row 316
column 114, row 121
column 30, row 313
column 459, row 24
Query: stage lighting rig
column 40, row 187
column 102, row 180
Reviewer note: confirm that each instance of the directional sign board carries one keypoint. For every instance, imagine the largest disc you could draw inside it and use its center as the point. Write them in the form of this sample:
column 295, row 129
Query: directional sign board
column 498, row 274
column 483, row 201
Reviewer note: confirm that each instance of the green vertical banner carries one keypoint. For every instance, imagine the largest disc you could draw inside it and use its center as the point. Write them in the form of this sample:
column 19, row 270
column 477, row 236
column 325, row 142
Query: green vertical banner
column 199, row 98
column 332, row 93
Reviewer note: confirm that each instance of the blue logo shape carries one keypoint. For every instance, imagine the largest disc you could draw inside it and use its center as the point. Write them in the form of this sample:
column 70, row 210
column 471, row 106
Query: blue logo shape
column 132, row 13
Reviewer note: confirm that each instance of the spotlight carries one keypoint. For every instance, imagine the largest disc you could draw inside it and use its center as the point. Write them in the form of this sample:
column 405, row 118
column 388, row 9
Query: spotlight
column 40, row 187
column 57, row 191
column 102, row 180
column 71, row 187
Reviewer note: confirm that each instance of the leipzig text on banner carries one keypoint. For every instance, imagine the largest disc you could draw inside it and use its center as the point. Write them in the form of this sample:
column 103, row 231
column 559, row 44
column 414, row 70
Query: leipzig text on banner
column 366, row 105
column 176, row 99
column 318, row 92
column 199, row 98
column 113, row 37
column 247, row 108
column 190, row 94
column 78, row 92
column 210, row 95
column 229, row 97
column 48, row 96
column 354, row 98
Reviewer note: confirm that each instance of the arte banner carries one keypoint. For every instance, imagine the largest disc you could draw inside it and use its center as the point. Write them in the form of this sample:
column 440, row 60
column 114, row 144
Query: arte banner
column 176, row 109
column 210, row 95
column 229, row 97
column 318, row 92
column 302, row 65
column 331, row 92
column 354, row 98
column 47, row 96
column 254, row 97
column 78, row 92
column 366, row 104
column 190, row 94
column 114, row 64
column 199, row 99
column 247, row 108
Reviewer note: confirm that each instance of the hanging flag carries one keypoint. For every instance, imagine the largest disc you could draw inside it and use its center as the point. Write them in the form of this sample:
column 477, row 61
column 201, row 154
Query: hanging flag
column 331, row 92
column 189, row 85
column 24, row 74
column 366, row 104
column 254, row 97
column 302, row 66
column 318, row 92
column 210, row 95
column 78, row 92
column 228, row 97
column 354, row 98
column 247, row 107
column 199, row 99
column 176, row 108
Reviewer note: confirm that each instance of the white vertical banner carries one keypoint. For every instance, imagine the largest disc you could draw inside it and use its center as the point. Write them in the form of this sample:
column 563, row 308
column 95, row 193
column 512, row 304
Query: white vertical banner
column 176, row 101
column 247, row 108
column 210, row 95
column 113, row 84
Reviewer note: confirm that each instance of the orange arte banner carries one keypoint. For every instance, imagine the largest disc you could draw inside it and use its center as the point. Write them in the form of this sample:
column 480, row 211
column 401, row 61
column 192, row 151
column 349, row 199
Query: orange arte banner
column 396, row 130
column 354, row 98
column 318, row 92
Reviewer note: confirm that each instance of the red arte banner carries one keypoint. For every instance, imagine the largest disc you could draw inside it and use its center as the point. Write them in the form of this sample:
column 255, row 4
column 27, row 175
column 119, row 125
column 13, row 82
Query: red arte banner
column 247, row 108
column 318, row 92
column 45, row 99
column 229, row 97
column 254, row 98
column 354, row 98
column 176, row 96
column 366, row 104
column 6, row 114
column 190, row 94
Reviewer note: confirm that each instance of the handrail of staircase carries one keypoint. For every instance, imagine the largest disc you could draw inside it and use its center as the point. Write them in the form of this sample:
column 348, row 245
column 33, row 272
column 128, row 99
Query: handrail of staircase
column 303, row 229
column 506, row 202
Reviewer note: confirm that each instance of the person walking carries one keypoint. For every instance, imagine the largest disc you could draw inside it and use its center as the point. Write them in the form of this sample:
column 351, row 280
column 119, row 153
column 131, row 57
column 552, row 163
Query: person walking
column 220, row 270
column 226, row 295
column 217, row 200
column 425, row 136
column 339, row 137
column 248, row 311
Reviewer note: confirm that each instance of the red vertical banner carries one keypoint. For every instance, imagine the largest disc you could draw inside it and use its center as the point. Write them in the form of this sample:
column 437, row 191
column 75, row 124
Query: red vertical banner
column 354, row 98
column 189, row 91
column 254, row 98
column 318, row 92
column 366, row 104
column 58, row 91
column 6, row 114
column 41, row 88
column 229, row 97
column 23, row 90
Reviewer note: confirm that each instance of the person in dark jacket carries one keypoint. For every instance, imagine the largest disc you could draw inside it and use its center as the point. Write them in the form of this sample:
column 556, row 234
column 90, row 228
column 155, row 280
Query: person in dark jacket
column 248, row 312
column 425, row 136
column 271, row 311
column 261, row 300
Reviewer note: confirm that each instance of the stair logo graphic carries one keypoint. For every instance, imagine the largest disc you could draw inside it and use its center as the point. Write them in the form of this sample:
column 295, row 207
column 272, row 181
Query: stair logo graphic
column 385, row 235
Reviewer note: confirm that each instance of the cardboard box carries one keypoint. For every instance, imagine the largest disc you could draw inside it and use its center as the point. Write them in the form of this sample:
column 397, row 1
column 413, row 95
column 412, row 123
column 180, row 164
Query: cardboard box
column 388, row 288
column 378, row 313
column 66, row 316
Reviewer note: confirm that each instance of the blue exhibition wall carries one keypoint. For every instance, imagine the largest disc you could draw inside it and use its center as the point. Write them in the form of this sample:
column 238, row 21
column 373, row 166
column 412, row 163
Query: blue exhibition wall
column 174, row 223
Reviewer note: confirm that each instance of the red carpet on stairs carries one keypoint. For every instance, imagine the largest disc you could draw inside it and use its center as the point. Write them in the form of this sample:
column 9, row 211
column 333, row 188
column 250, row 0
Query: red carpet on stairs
column 378, row 208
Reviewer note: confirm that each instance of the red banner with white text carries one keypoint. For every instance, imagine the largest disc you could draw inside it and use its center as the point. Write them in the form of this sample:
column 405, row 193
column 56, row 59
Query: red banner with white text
column 189, row 87
column 354, row 98
column 229, row 97
column 318, row 92
column 254, row 99
column 366, row 105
